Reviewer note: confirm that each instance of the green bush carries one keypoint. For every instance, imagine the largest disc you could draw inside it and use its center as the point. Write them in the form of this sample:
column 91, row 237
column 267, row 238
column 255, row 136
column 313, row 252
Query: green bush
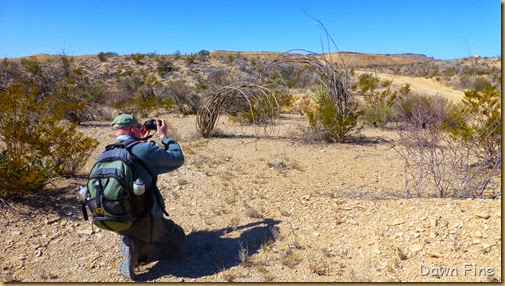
column 35, row 144
column 379, row 115
column 480, row 122
column 102, row 57
column 137, row 58
column 325, row 121
column 165, row 67
column 68, row 89
column 203, row 55
column 191, row 59
column 424, row 110
column 375, row 91
column 136, row 95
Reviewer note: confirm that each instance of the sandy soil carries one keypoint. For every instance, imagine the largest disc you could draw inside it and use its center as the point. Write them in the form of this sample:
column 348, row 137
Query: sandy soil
column 267, row 207
column 426, row 86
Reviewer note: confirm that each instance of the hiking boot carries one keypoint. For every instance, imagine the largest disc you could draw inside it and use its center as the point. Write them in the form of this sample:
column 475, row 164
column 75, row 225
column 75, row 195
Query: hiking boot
column 130, row 257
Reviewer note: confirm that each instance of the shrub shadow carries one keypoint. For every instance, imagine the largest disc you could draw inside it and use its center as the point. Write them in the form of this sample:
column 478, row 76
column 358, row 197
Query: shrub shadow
column 207, row 252
column 63, row 202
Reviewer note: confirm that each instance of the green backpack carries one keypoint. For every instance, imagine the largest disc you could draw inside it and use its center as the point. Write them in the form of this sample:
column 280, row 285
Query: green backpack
column 109, row 194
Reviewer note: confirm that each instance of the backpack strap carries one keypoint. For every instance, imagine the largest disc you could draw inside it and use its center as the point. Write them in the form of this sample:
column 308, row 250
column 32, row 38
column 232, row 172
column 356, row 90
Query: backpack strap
column 128, row 145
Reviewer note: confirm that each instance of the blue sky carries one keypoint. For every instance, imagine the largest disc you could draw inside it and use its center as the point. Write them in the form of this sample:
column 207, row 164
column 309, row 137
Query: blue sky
column 443, row 29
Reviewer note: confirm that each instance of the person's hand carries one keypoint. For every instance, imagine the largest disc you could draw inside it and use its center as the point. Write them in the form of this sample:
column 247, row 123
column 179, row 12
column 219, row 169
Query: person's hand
column 162, row 129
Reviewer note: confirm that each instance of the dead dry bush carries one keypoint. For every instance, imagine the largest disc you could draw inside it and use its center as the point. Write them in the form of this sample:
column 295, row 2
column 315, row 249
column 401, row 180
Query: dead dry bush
column 438, row 164
column 263, row 106
column 453, row 155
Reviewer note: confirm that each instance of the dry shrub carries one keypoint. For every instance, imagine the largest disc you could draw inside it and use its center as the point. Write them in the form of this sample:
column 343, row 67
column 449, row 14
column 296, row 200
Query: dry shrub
column 72, row 92
column 453, row 152
column 35, row 144
column 137, row 95
column 291, row 259
column 335, row 114
column 186, row 100
column 318, row 266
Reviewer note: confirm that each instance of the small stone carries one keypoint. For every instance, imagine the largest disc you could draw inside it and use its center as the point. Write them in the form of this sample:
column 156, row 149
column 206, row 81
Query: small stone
column 478, row 234
column 482, row 215
column 377, row 251
column 399, row 234
column 397, row 222
column 433, row 235
column 52, row 220
column 316, row 233
column 275, row 250
column 22, row 256
column 416, row 247
column 486, row 245
column 85, row 231
column 16, row 232
column 476, row 241
column 38, row 254
column 416, row 234
column 434, row 254
column 433, row 222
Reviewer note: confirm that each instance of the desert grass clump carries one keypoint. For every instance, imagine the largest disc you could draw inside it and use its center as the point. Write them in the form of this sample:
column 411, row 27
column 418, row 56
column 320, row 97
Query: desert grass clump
column 318, row 266
column 291, row 259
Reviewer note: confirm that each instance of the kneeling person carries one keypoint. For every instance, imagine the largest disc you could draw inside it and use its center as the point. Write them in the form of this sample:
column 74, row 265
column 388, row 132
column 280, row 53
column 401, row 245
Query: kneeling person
column 150, row 236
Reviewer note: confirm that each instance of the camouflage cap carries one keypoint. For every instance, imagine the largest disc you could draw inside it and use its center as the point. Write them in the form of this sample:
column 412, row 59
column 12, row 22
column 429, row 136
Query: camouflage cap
column 123, row 121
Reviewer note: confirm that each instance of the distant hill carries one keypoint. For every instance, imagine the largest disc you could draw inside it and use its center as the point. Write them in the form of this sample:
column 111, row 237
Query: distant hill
column 348, row 58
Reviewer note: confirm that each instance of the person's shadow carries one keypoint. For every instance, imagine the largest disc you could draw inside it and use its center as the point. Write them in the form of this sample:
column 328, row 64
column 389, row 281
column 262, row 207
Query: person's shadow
column 207, row 253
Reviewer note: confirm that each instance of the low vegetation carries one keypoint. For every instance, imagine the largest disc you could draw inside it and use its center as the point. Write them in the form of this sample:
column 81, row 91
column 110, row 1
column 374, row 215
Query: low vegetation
column 58, row 94
column 36, row 144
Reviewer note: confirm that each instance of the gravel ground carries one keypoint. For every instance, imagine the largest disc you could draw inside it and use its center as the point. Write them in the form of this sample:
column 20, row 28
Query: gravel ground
column 266, row 207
